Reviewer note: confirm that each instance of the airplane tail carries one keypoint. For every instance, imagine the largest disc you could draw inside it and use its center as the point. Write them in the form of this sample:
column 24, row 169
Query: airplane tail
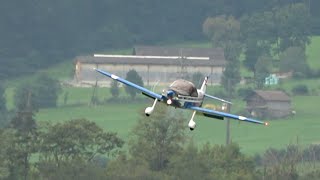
column 204, row 85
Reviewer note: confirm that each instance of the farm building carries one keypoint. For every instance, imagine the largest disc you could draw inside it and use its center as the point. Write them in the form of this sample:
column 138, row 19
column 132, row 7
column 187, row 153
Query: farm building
column 271, row 104
column 154, row 64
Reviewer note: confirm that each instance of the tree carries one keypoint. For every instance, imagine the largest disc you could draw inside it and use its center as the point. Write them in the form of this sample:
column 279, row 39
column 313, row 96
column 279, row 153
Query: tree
column 231, row 77
column 132, row 168
column 225, row 32
column 293, row 26
column 281, row 164
column 76, row 139
column 41, row 92
column 188, row 164
column 212, row 162
column 114, row 89
column 2, row 99
column 24, row 143
column 294, row 59
column 221, row 30
column 133, row 77
column 157, row 138
column 258, row 33
column 262, row 69
column 272, row 31
column 6, row 137
column 68, row 169
column 3, row 108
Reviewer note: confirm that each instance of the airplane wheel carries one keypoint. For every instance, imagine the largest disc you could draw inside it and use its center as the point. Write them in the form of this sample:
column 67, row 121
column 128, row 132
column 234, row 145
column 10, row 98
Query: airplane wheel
column 191, row 129
column 147, row 115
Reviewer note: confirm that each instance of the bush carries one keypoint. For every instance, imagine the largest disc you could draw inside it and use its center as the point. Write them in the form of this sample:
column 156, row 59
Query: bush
column 314, row 73
column 244, row 92
column 135, row 78
column 300, row 89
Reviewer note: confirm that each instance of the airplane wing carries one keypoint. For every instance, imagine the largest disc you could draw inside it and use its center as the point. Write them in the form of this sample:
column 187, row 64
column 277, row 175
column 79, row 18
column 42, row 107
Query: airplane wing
column 144, row 91
column 221, row 115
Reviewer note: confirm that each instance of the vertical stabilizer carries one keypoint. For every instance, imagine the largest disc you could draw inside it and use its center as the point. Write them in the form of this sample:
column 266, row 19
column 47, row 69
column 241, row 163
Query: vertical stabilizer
column 204, row 85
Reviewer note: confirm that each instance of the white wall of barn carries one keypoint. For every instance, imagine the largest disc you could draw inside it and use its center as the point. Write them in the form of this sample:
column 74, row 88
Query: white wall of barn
column 151, row 74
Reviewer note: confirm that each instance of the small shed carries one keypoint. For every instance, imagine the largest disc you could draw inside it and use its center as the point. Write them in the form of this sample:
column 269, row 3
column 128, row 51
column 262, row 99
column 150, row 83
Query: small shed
column 271, row 104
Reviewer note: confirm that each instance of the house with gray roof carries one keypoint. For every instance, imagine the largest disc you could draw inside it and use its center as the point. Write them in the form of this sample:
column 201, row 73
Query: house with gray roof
column 270, row 104
column 156, row 65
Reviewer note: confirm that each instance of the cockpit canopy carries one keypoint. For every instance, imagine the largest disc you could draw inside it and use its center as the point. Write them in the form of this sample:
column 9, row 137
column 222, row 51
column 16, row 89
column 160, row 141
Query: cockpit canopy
column 184, row 88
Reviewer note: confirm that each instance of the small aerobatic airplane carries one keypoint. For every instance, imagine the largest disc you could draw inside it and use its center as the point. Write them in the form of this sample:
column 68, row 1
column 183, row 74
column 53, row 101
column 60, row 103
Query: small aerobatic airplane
column 183, row 94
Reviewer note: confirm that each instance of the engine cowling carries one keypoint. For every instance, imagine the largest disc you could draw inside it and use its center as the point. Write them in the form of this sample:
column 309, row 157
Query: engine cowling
column 192, row 125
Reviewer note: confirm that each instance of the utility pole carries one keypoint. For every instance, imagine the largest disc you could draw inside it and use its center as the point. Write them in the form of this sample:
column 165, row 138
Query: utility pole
column 228, row 126
column 228, row 110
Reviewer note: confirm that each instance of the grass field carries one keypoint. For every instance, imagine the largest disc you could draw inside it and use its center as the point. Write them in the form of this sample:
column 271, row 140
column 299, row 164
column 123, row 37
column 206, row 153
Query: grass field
column 120, row 118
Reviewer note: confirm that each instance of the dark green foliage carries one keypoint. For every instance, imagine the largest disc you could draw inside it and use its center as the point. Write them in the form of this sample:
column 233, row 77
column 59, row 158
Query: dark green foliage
column 294, row 59
column 273, row 31
column 300, row 89
column 231, row 77
column 263, row 69
column 245, row 92
column 212, row 162
column 114, row 89
column 133, row 77
column 225, row 32
column 2, row 98
column 3, row 108
column 6, row 137
column 39, row 93
column 39, row 34
column 253, row 51
column 314, row 175
column 75, row 169
column 23, row 144
column 312, row 154
column 132, row 168
column 293, row 26
column 159, row 137
column 281, row 164
column 76, row 139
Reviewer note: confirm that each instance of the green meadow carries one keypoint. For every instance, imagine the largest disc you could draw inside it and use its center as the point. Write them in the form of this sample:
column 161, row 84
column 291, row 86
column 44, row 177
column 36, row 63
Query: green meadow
column 302, row 129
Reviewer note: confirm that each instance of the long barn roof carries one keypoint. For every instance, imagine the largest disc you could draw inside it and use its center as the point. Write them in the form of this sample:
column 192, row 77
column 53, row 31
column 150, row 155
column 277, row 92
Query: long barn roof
column 273, row 95
column 213, row 53
column 149, row 61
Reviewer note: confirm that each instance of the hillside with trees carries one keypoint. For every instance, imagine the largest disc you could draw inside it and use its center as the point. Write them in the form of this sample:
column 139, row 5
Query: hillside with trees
column 37, row 34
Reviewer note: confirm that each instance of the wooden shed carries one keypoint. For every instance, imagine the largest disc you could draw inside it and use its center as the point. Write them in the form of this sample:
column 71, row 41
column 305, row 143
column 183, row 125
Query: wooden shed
column 270, row 104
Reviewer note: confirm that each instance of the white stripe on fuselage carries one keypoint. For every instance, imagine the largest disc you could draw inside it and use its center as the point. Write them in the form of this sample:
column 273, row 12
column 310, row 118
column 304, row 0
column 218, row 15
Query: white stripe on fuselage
column 114, row 77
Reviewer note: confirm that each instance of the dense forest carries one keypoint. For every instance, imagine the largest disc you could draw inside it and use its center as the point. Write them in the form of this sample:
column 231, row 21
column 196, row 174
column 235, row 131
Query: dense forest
column 35, row 34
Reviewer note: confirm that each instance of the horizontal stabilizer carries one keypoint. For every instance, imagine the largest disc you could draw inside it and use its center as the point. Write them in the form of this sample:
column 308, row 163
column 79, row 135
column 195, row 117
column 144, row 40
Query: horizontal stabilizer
column 216, row 98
